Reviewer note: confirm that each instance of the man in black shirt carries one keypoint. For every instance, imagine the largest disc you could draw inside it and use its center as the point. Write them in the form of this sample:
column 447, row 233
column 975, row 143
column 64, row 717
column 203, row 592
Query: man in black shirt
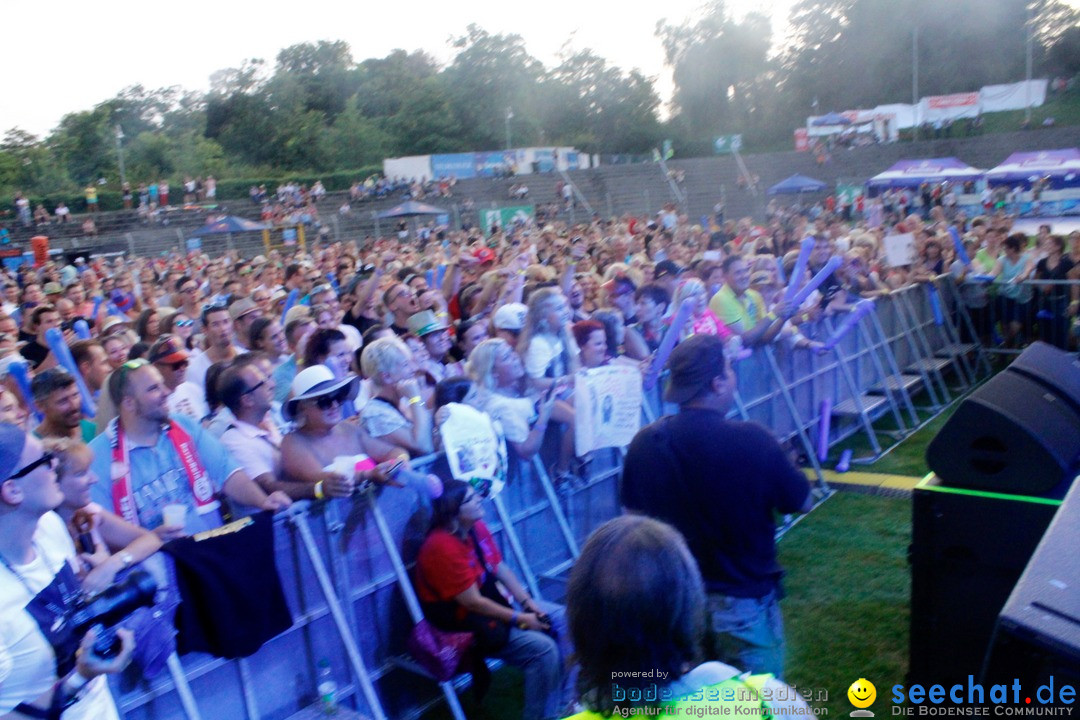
column 401, row 302
column 42, row 319
column 720, row 482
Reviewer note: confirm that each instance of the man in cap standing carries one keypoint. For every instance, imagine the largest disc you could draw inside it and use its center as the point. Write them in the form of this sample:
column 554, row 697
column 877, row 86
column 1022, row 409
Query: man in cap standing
column 720, row 482
column 244, row 312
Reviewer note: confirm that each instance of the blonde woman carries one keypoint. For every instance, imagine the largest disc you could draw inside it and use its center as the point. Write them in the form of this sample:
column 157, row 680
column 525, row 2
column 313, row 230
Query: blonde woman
column 396, row 412
column 703, row 321
column 501, row 388
column 546, row 344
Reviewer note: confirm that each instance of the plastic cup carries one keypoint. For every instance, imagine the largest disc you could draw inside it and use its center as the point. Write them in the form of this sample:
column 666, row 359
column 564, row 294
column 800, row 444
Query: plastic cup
column 174, row 515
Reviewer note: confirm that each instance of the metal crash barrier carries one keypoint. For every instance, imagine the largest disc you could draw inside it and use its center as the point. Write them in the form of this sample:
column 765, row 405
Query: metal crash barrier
column 344, row 564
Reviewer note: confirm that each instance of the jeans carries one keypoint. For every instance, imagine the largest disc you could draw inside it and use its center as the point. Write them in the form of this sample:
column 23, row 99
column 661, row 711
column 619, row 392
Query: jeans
column 549, row 686
column 748, row 633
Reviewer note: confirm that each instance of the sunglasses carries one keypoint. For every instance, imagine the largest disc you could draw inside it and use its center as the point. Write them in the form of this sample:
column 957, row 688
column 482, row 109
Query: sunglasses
column 46, row 459
column 326, row 402
column 184, row 323
column 179, row 365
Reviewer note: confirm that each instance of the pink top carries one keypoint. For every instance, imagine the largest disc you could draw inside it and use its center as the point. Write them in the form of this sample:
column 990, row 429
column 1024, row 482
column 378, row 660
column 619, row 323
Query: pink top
column 707, row 323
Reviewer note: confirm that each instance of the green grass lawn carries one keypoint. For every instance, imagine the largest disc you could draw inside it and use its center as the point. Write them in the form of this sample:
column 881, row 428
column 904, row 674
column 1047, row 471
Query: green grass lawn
column 847, row 604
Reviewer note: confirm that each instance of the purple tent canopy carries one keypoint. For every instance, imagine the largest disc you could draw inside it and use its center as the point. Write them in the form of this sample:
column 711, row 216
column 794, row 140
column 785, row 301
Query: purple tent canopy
column 1023, row 168
column 913, row 173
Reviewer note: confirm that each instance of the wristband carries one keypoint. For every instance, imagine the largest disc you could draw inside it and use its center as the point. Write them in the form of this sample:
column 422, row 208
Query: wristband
column 319, row 494
column 73, row 683
column 514, row 617
column 415, row 400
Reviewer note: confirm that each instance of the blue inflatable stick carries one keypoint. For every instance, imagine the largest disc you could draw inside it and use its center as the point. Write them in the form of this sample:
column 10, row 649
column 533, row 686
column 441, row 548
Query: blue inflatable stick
column 55, row 340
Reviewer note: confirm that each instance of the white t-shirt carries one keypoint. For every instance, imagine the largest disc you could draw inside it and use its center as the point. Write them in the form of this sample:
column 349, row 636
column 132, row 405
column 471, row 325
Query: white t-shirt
column 515, row 415
column 199, row 363
column 543, row 349
column 189, row 399
column 27, row 661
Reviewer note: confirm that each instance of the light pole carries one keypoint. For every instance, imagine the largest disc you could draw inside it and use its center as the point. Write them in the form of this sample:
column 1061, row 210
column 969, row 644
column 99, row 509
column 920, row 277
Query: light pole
column 1027, row 75
column 915, row 79
column 509, row 116
column 120, row 154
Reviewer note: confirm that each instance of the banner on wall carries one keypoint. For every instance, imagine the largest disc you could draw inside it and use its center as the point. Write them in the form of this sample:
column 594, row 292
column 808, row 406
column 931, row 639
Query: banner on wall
column 802, row 140
column 949, row 107
column 847, row 191
column 728, row 144
column 491, row 164
column 544, row 159
column 506, row 216
column 459, row 165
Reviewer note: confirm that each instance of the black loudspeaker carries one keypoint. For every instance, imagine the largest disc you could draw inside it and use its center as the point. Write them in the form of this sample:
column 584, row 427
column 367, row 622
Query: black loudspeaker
column 1053, row 368
column 968, row 550
column 1038, row 631
column 1015, row 434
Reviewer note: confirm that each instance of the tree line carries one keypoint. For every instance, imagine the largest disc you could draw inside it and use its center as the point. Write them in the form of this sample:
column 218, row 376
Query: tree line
column 317, row 109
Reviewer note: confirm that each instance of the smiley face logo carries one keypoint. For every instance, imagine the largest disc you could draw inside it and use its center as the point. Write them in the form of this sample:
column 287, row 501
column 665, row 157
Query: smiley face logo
column 862, row 694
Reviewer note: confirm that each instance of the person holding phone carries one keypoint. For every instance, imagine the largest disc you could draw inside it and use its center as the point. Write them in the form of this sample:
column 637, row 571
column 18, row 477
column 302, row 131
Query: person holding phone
column 500, row 380
column 456, row 572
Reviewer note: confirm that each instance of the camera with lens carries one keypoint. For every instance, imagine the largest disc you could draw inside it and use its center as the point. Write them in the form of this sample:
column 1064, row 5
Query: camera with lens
column 109, row 608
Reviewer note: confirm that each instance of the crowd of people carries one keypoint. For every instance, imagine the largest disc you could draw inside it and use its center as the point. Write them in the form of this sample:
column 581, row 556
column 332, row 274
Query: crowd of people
column 170, row 394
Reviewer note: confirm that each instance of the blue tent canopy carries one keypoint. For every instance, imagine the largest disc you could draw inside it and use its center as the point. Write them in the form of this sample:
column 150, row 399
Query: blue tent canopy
column 797, row 184
column 412, row 208
column 227, row 224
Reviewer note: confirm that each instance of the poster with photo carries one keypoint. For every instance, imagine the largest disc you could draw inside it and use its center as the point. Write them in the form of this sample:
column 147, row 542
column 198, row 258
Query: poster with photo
column 474, row 445
column 607, row 407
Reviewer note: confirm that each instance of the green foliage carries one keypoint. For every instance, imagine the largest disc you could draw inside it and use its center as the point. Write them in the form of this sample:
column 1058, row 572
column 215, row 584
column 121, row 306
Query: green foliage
column 715, row 63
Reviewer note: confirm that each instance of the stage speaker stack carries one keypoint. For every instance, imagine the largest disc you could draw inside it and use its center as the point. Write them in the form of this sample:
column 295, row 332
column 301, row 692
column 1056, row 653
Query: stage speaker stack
column 1038, row 631
column 968, row 548
column 1001, row 465
column 1018, row 433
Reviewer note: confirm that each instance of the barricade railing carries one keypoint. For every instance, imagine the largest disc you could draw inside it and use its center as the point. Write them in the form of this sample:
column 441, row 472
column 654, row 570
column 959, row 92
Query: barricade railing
column 1005, row 317
column 341, row 565
column 876, row 369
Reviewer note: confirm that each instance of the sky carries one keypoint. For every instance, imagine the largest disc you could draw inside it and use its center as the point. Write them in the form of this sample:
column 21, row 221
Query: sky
column 59, row 58
column 65, row 56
